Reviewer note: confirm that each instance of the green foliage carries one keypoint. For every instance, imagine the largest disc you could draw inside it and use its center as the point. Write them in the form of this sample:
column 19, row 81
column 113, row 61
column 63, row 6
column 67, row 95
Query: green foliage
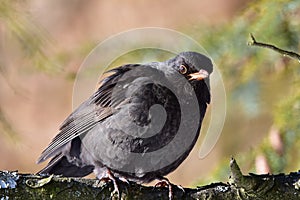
column 261, row 80
column 31, row 40
column 288, row 112
column 286, row 117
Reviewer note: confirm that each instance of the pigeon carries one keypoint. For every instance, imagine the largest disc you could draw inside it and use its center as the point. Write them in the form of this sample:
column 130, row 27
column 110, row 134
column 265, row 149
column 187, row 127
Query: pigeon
column 139, row 125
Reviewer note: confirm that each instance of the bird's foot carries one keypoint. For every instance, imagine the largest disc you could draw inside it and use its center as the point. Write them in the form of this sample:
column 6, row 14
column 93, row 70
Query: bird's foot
column 116, row 191
column 109, row 177
column 164, row 182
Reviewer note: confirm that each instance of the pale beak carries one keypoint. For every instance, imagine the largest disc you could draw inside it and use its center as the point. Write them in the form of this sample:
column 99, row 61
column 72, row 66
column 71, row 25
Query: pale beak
column 202, row 74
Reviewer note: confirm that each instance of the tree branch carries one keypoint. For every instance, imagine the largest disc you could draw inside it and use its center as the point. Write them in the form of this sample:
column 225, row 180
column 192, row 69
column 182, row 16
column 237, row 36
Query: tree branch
column 27, row 186
column 291, row 54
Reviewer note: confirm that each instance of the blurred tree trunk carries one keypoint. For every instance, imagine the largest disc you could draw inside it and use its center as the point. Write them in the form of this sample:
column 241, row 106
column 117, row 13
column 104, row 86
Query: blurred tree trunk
column 25, row 186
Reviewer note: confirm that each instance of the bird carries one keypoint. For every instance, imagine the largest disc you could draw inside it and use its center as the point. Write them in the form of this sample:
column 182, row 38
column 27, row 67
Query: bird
column 120, row 131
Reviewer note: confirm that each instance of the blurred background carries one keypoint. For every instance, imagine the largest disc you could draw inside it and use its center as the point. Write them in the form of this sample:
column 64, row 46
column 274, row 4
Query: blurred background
column 43, row 43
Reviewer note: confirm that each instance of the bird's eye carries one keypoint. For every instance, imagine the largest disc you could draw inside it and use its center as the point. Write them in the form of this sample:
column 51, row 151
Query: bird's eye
column 182, row 69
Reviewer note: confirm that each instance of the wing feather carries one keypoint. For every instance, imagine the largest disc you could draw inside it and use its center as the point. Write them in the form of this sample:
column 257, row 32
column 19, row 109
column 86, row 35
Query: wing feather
column 97, row 108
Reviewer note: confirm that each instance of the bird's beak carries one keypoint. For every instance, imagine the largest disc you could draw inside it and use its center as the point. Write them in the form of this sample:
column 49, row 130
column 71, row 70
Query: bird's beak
column 202, row 74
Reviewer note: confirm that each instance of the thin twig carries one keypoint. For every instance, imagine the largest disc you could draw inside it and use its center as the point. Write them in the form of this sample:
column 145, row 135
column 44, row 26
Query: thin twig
column 274, row 48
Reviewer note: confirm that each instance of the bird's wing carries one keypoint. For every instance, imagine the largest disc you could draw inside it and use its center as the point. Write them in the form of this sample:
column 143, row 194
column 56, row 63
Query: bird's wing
column 97, row 108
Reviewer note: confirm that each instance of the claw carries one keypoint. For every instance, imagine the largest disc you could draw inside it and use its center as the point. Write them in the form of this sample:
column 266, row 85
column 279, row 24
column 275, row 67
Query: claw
column 124, row 180
column 180, row 187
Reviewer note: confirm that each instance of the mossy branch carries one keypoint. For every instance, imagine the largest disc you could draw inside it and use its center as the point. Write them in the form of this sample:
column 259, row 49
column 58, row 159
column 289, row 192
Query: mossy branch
column 27, row 186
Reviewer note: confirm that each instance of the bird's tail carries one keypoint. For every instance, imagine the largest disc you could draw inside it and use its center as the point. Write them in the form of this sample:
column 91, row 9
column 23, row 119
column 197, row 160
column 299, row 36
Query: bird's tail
column 59, row 165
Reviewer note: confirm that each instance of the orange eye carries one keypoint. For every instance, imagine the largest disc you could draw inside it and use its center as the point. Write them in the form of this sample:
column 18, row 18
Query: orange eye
column 182, row 69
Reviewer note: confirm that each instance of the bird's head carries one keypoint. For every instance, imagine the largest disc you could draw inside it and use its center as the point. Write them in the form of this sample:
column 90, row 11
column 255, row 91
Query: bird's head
column 195, row 67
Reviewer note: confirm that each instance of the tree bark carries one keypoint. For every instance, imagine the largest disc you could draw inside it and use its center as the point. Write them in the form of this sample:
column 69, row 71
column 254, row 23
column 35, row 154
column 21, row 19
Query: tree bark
column 27, row 186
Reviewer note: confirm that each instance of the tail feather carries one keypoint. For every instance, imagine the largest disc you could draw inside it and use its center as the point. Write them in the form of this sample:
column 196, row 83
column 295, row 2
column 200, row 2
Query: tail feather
column 59, row 165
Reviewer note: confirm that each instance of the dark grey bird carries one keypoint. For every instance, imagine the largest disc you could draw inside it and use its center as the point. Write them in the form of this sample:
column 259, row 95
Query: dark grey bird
column 140, row 124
